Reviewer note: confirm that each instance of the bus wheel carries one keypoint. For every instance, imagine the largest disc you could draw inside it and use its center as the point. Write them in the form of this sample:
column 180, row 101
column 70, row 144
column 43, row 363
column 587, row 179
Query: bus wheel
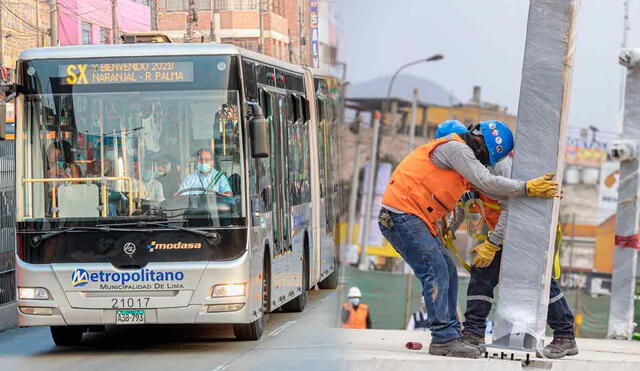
column 299, row 302
column 331, row 282
column 254, row 330
column 66, row 335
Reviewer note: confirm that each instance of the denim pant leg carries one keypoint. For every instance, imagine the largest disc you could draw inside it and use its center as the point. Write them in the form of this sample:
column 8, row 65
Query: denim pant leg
column 559, row 317
column 480, row 296
column 453, row 287
column 411, row 238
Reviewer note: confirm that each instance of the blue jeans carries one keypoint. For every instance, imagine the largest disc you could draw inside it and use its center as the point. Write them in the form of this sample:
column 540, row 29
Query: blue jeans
column 480, row 298
column 433, row 266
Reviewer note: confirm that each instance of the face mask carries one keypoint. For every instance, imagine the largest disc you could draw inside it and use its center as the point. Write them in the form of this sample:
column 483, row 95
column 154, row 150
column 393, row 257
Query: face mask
column 355, row 301
column 60, row 164
column 204, row 168
column 147, row 175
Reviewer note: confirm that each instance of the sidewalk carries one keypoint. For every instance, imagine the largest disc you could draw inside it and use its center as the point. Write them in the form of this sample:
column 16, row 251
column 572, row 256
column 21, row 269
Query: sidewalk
column 385, row 350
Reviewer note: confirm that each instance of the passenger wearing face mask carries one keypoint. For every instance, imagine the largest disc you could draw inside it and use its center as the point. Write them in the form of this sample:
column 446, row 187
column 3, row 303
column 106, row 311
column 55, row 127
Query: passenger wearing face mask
column 151, row 190
column 355, row 314
column 205, row 179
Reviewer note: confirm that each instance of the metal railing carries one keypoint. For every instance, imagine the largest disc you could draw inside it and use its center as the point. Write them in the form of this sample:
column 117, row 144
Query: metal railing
column 7, row 222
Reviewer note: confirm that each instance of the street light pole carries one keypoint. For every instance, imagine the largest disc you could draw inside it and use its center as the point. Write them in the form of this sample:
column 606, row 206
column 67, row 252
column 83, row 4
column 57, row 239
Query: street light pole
column 433, row 58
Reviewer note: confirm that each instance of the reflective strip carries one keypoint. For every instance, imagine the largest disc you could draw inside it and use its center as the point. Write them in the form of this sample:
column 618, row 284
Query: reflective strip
column 556, row 298
column 479, row 297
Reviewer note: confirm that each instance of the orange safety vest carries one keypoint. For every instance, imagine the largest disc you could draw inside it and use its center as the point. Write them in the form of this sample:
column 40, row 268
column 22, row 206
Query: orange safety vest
column 419, row 187
column 357, row 318
column 491, row 215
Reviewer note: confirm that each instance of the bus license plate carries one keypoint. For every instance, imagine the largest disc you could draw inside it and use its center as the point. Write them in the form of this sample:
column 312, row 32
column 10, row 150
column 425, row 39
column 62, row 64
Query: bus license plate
column 129, row 317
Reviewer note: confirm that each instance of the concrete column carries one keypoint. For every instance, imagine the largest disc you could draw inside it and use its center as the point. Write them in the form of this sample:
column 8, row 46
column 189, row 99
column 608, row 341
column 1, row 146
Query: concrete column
column 540, row 139
column 627, row 214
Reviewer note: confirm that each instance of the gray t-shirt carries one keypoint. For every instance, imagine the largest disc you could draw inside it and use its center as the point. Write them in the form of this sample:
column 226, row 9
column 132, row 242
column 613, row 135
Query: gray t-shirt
column 503, row 169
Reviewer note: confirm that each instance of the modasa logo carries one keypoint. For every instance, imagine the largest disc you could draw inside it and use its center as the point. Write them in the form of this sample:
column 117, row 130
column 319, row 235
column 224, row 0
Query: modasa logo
column 79, row 278
column 154, row 245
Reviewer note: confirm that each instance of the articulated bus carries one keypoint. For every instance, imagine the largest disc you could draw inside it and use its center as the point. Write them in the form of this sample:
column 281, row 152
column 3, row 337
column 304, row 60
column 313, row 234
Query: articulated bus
column 171, row 184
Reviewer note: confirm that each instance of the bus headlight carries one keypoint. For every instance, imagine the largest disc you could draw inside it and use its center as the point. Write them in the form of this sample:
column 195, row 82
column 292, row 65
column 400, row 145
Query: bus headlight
column 228, row 290
column 33, row 293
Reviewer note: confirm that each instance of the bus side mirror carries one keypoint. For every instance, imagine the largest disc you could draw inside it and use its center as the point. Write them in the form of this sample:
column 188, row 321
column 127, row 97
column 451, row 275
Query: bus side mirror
column 258, row 131
column 3, row 121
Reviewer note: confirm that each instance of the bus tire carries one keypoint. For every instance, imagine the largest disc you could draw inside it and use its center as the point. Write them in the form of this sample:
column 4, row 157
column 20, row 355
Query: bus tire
column 299, row 302
column 67, row 335
column 253, row 331
column 332, row 280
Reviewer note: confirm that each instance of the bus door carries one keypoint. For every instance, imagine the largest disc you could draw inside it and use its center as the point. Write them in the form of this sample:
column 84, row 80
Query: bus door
column 275, row 111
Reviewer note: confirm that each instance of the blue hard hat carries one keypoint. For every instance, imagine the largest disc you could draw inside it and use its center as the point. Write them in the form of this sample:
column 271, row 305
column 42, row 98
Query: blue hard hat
column 450, row 127
column 498, row 139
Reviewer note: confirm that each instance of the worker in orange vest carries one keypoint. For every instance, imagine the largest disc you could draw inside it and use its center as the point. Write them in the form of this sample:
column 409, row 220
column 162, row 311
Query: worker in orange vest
column 485, row 269
column 355, row 314
column 423, row 189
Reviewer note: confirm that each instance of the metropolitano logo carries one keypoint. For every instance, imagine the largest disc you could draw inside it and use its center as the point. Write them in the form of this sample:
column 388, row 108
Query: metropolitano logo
column 79, row 277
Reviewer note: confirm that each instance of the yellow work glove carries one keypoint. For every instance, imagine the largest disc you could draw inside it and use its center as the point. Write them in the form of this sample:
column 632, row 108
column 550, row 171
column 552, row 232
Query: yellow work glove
column 543, row 187
column 485, row 252
column 448, row 239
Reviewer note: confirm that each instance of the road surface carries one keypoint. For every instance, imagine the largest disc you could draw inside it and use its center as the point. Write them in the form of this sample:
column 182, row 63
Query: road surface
column 291, row 341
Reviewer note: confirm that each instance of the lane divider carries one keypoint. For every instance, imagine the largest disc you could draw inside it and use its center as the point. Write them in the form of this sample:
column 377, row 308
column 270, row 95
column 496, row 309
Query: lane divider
column 281, row 328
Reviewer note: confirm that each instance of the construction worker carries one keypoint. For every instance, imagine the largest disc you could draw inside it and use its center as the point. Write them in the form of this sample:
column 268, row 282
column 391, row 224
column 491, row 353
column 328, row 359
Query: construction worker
column 485, row 268
column 355, row 314
column 423, row 189
column 419, row 320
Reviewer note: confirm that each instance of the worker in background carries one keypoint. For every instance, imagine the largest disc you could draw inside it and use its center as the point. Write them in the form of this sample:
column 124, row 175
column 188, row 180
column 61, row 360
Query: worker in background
column 419, row 320
column 423, row 189
column 355, row 314
column 485, row 268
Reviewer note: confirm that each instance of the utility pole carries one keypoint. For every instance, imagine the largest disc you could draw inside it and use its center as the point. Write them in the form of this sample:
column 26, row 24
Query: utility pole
column 191, row 18
column 114, row 22
column 301, row 39
column 290, row 47
column 371, row 178
column 414, row 118
column 37, row 8
column 355, row 182
column 261, row 25
column 1, row 38
column 53, row 22
column 212, row 30
column 154, row 14
column 623, row 72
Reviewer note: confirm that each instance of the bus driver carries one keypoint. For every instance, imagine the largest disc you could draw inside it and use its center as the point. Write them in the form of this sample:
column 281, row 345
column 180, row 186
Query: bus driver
column 205, row 178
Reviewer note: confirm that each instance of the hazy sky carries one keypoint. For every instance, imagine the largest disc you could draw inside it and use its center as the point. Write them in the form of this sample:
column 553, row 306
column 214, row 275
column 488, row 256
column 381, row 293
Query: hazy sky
column 483, row 44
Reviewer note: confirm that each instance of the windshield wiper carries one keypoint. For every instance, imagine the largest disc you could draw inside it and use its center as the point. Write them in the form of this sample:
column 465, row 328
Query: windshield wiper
column 37, row 239
column 212, row 237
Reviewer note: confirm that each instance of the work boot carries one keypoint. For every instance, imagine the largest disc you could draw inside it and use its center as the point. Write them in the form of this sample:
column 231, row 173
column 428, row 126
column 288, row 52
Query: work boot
column 455, row 348
column 473, row 339
column 560, row 347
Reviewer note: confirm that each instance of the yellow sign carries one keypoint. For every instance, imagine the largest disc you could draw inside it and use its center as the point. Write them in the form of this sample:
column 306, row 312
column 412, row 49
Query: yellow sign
column 126, row 73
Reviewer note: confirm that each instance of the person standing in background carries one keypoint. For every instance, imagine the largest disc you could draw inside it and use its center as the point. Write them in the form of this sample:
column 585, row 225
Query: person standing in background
column 355, row 314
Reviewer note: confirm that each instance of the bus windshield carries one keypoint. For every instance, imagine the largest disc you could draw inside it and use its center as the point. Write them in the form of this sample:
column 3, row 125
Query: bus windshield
column 146, row 148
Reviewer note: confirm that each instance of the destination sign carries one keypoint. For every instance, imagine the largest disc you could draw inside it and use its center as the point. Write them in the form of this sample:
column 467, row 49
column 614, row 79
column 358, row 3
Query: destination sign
column 125, row 73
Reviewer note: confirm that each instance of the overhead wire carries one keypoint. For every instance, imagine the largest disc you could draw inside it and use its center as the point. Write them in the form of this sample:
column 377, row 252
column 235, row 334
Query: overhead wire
column 8, row 9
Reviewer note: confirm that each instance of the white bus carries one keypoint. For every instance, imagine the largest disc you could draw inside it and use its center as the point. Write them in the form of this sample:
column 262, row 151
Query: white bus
column 171, row 184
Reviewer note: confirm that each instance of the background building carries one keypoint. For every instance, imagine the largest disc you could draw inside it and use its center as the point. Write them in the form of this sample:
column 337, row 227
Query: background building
column 296, row 31
column 82, row 22
column 24, row 24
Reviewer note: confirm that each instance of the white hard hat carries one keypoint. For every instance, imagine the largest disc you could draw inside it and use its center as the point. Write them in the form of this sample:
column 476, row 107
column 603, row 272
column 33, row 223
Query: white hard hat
column 354, row 292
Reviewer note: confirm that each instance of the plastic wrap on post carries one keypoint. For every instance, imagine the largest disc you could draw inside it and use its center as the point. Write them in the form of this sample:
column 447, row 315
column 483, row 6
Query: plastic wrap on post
column 541, row 130
column 627, row 213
